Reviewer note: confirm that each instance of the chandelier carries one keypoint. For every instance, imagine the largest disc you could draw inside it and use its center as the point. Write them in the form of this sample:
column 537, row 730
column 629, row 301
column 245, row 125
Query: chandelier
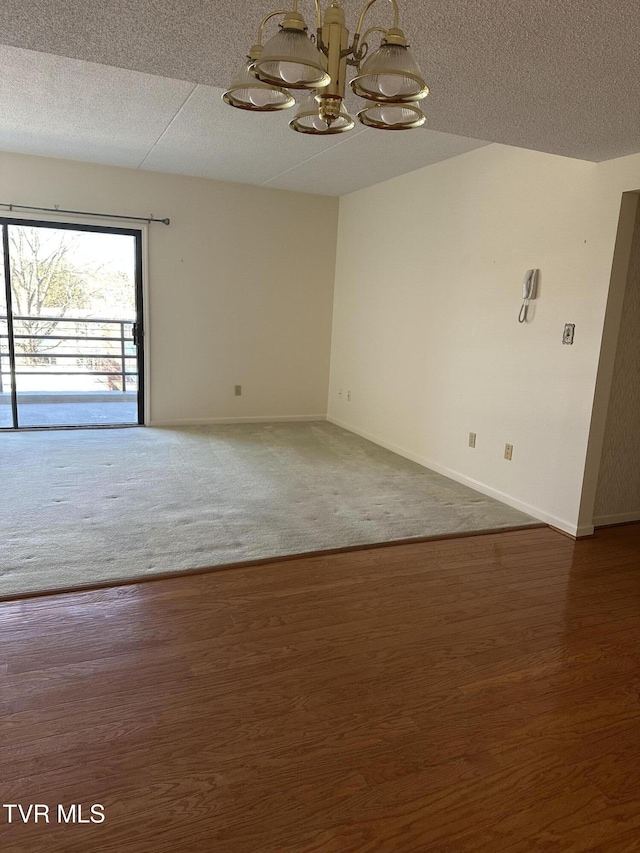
column 388, row 79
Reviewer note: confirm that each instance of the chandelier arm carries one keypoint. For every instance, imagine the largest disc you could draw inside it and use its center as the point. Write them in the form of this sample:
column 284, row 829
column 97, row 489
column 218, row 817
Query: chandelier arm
column 396, row 17
column 372, row 30
column 318, row 12
column 359, row 49
column 268, row 18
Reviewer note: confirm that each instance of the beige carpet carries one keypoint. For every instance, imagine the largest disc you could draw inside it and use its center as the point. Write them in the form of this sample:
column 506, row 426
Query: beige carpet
column 85, row 507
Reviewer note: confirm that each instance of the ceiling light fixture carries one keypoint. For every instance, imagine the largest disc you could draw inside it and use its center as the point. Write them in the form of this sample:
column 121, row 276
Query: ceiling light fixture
column 389, row 79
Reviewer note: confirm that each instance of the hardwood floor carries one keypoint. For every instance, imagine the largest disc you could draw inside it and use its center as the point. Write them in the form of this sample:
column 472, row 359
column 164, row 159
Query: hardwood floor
column 480, row 694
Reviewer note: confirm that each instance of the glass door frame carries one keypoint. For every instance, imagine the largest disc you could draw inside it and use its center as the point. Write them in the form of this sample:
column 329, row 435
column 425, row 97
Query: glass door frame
column 139, row 324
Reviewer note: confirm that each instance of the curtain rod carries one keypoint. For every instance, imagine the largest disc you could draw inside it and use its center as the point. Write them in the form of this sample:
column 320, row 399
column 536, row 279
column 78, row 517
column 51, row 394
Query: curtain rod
column 151, row 218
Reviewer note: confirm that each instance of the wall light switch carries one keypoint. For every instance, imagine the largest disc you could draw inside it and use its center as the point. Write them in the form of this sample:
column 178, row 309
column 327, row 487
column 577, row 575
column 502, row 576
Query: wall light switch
column 238, row 390
column 569, row 329
column 472, row 439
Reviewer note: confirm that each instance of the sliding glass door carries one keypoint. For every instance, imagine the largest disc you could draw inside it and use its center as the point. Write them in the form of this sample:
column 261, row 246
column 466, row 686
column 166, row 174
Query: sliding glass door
column 71, row 336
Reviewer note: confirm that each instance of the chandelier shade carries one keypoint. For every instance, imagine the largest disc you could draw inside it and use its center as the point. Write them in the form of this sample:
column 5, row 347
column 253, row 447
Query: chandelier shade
column 291, row 59
column 247, row 93
column 312, row 118
column 396, row 116
column 390, row 75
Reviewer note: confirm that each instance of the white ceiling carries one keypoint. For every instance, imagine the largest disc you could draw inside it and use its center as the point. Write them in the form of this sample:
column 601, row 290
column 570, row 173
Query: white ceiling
column 58, row 107
column 139, row 85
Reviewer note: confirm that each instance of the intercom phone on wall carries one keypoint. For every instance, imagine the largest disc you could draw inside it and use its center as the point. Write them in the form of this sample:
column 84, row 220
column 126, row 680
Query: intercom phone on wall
column 529, row 291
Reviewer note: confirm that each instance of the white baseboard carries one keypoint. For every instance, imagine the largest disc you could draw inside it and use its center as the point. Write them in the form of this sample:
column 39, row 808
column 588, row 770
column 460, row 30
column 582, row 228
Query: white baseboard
column 249, row 420
column 618, row 518
column 534, row 511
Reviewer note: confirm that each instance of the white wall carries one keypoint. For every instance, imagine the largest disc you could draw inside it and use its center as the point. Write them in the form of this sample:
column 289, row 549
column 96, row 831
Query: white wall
column 236, row 295
column 426, row 338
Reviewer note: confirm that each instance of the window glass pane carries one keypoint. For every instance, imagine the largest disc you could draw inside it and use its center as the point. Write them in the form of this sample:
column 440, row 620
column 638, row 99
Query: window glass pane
column 6, row 418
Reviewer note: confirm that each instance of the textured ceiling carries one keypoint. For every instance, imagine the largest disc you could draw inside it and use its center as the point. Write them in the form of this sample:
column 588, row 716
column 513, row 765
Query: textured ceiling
column 57, row 107
column 557, row 77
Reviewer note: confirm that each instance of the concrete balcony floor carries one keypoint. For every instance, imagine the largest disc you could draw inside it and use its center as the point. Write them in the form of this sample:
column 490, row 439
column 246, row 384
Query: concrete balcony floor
column 87, row 408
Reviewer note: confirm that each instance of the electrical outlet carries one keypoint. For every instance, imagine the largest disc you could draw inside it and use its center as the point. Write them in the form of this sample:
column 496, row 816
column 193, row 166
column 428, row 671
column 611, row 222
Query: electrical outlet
column 348, row 396
column 567, row 335
column 238, row 390
column 508, row 451
column 472, row 439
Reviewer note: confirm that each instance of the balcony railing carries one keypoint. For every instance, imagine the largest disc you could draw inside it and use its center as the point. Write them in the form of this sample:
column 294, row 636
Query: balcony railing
column 71, row 346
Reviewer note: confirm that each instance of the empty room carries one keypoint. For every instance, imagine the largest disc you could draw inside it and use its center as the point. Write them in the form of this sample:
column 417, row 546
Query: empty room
column 319, row 427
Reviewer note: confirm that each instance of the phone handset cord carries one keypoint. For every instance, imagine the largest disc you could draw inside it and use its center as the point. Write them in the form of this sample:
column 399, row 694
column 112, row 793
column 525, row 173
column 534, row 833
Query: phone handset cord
column 522, row 316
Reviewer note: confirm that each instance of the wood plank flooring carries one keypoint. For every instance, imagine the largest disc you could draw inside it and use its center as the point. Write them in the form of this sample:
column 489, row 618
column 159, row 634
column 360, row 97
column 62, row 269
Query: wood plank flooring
column 480, row 694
